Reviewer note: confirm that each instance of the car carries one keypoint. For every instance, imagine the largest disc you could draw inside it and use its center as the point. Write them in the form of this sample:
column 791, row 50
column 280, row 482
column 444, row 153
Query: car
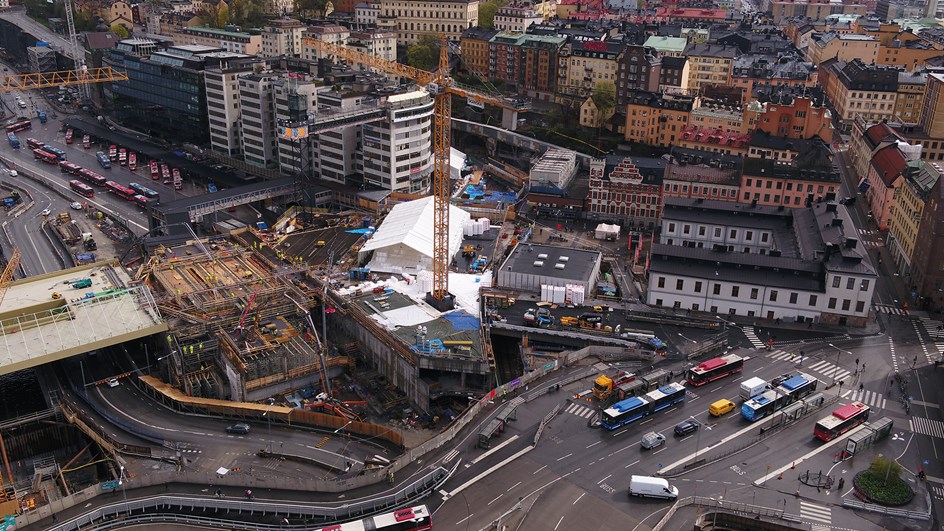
column 112, row 382
column 652, row 440
column 45, row 212
column 848, row 201
column 240, row 428
column 75, row 205
column 720, row 407
column 687, row 426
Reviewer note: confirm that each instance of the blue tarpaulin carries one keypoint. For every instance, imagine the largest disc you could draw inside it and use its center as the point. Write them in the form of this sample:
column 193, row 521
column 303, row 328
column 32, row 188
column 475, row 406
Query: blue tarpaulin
column 462, row 320
column 360, row 231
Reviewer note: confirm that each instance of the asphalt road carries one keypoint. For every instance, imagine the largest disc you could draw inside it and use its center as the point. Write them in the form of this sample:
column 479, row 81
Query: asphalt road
column 17, row 15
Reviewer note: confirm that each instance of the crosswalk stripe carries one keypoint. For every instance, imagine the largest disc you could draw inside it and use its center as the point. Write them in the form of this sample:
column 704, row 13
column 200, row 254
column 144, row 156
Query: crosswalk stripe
column 816, row 513
column 571, row 408
column 929, row 427
column 816, row 366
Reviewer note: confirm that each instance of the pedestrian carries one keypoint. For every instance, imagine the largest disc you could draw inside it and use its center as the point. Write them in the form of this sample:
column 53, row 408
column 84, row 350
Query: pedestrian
column 861, row 386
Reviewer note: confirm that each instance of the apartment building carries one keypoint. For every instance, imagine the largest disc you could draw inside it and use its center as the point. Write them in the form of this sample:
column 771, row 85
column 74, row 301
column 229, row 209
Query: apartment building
column 813, row 10
column 539, row 65
column 366, row 13
column 397, row 153
column 412, row 19
column 474, row 45
column 639, row 68
column 842, row 47
column 223, row 110
column 790, row 112
column 259, row 146
column 336, row 156
column 910, row 98
column 282, row 37
column 504, row 57
column 711, row 114
column 667, row 46
column 619, row 191
column 674, row 75
column 927, row 276
column 330, row 33
column 230, row 41
column 710, row 64
column 382, row 44
column 714, row 140
column 697, row 174
column 859, row 89
column 756, row 70
column 886, row 174
column 805, row 175
column 910, row 200
column 656, row 119
column 517, row 17
column 586, row 63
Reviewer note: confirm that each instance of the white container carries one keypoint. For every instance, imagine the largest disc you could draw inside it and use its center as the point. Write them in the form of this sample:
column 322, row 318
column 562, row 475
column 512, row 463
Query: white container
column 467, row 229
column 485, row 224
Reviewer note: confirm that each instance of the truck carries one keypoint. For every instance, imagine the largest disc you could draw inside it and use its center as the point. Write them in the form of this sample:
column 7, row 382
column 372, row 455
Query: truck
column 12, row 200
column 752, row 387
column 605, row 384
column 641, row 384
column 42, row 116
column 590, row 320
column 650, row 487
column 568, row 320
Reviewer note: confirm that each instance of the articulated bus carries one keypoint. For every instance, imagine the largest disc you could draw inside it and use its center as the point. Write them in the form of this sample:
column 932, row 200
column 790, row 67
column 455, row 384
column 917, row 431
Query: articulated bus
column 842, row 420
column 119, row 190
column 69, row 167
column 19, row 126
column 32, row 143
column 145, row 191
column 715, row 368
column 60, row 154
column 90, row 176
column 81, row 188
column 415, row 518
column 635, row 408
column 789, row 391
column 45, row 156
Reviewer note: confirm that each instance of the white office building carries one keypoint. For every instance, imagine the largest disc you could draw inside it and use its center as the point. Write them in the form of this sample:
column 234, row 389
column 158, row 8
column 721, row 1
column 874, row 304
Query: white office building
column 397, row 152
column 222, row 93
column 258, row 119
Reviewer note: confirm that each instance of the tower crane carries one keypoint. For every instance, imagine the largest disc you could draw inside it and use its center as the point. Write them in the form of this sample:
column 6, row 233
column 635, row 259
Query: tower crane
column 440, row 84
column 7, row 276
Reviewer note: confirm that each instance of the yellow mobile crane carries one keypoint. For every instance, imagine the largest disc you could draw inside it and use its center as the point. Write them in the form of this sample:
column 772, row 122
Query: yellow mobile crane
column 440, row 84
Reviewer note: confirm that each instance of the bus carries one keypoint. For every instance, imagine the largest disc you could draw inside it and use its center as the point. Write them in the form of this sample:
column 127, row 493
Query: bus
column 122, row 156
column 165, row 173
column 842, row 420
column 141, row 201
column 132, row 161
column 60, row 154
column 624, row 412
column 119, row 190
column 86, row 141
column 45, row 156
column 14, row 141
column 155, row 171
column 145, row 191
column 788, row 392
column 32, row 143
column 113, row 153
column 665, row 396
column 103, row 160
column 81, row 188
column 415, row 518
column 715, row 368
column 69, row 167
column 90, row 176
column 19, row 126
column 68, row 136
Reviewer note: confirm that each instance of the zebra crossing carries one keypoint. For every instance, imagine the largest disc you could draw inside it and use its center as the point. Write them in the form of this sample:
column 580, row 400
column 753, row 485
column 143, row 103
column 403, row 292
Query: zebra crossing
column 752, row 337
column 823, row 367
column 887, row 308
column 579, row 410
column 929, row 427
column 937, row 490
column 820, row 516
column 870, row 398
column 931, row 326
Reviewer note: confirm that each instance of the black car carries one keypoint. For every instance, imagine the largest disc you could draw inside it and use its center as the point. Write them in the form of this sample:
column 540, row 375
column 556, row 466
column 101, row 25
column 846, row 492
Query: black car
column 240, row 428
column 687, row 426
column 848, row 201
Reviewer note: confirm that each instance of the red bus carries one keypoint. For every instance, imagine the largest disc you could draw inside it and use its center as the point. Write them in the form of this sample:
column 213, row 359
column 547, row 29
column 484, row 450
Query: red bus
column 132, row 161
column 409, row 519
column 715, row 368
column 842, row 420
column 69, row 167
column 20, row 126
column 68, row 136
column 92, row 177
column 119, row 190
column 155, row 171
column 32, row 143
column 86, row 141
column 45, row 156
column 141, row 201
column 81, row 188
column 123, row 156
column 165, row 173
column 113, row 153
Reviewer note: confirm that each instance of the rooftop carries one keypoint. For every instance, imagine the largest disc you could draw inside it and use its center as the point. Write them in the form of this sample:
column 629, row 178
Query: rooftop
column 667, row 44
column 577, row 266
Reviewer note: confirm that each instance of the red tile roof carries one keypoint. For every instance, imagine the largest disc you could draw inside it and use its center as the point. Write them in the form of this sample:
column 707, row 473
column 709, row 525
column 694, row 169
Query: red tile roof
column 879, row 132
column 703, row 135
column 889, row 163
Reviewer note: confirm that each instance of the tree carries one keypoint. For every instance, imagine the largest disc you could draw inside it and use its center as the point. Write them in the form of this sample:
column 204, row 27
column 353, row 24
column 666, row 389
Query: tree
column 120, row 31
column 314, row 8
column 215, row 15
column 421, row 56
column 487, row 12
column 604, row 97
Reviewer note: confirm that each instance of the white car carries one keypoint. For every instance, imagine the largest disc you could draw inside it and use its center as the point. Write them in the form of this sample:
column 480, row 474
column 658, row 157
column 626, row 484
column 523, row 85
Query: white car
column 112, row 382
column 45, row 212
column 75, row 205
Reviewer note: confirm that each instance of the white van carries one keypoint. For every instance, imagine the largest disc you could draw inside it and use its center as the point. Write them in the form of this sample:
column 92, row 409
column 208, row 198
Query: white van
column 650, row 487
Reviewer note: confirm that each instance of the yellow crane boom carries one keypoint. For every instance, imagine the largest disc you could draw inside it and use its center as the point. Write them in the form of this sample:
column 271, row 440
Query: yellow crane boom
column 7, row 276
column 441, row 86
column 60, row 78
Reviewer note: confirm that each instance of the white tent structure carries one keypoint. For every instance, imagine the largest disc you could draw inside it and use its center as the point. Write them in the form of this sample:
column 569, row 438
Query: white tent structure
column 404, row 241
column 607, row 232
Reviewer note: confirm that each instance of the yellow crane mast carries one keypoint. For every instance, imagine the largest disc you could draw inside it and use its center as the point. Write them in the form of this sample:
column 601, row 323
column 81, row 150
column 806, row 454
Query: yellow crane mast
column 7, row 276
column 60, row 78
column 441, row 86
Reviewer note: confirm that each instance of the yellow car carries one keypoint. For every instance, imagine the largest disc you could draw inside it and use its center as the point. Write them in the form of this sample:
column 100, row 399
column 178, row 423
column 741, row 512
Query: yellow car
column 720, row 407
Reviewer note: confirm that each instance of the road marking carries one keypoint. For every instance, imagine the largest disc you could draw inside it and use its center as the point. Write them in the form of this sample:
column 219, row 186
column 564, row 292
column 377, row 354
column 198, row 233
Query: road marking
column 486, row 473
column 620, row 432
column 604, row 479
column 565, row 457
column 816, row 513
column 538, row 470
column 716, row 388
column 464, row 519
column 493, row 450
column 664, row 448
column 558, row 523
column 495, row 500
column 513, row 486
column 650, row 419
column 594, row 444
column 773, row 473
column 578, row 498
column 621, row 449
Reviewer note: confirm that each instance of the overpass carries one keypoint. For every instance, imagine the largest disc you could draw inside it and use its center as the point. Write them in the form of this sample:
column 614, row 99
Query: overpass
column 50, row 317
column 512, row 138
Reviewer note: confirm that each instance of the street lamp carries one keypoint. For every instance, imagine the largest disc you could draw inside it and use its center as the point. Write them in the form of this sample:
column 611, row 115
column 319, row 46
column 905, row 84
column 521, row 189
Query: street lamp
column 345, row 426
column 269, row 422
column 121, row 483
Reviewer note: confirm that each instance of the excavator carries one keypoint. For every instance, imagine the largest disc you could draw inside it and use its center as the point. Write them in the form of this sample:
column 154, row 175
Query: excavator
column 341, row 408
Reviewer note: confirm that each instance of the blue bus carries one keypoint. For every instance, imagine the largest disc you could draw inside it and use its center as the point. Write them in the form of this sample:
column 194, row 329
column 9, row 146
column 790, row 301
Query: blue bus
column 103, row 160
column 60, row 154
column 14, row 141
column 788, row 392
column 665, row 396
column 145, row 191
column 624, row 412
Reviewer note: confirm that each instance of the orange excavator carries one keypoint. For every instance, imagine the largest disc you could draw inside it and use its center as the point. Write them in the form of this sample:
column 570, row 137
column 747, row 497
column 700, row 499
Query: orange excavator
column 341, row 408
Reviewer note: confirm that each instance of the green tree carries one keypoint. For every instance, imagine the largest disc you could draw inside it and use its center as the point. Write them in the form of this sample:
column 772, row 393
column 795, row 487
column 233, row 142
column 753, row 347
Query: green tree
column 604, row 97
column 314, row 8
column 421, row 56
column 215, row 15
column 885, row 468
column 120, row 31
column 487, row 12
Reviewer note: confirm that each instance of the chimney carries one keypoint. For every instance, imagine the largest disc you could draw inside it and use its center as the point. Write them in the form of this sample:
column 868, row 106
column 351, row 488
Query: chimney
column 830, row 207
column 851, row 243
column 837, row 222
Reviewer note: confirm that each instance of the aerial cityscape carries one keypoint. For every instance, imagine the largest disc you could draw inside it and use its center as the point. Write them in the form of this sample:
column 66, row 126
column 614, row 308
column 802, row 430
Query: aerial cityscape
column 405, row 265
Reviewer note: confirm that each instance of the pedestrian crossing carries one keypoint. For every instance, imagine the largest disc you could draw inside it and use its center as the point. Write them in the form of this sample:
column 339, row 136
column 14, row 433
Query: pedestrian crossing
column 870, row 398
column 823, row 367
column 888, row 308
column 935, row 330
column 929, row 427
column 938, row 491
column 752, row 337
column 820, row 516
column 579, row 410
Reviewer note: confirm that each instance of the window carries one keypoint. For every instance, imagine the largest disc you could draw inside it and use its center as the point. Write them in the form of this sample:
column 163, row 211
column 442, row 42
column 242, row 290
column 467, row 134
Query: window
column 686, row 229
column 671, row 227
column 850, row 283
column 735, row 291
column 701, row 231
column 837, row 281
column 717, row 291
column 764, row 237
column 697, row 287
column 679, row 284
column 845, row 304
column 865, row 285
column 661, row 282
column 813, row 300
column 717, row 232
column 773, row 295
column 733, row 234
column 860, row 306
column 832, row 303
column 749, row 236
column 754, row 292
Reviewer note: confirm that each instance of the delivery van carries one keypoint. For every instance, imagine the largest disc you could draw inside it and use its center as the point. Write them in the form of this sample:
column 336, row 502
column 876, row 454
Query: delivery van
column 720, row 407
column 650, row 487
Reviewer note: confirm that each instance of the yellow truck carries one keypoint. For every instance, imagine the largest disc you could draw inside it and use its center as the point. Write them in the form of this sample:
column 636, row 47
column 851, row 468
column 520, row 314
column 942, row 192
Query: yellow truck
column 604, row 385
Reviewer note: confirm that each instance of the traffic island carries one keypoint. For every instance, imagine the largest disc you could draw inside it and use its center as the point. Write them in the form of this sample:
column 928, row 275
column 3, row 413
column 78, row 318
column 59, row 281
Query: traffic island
column 881, row 484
